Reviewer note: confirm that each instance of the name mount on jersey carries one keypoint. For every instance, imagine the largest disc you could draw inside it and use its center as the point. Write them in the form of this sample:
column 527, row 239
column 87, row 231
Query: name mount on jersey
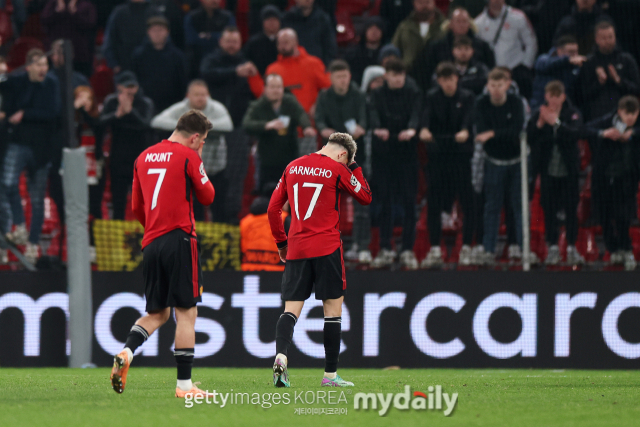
column 158, row 157
column 306, row 170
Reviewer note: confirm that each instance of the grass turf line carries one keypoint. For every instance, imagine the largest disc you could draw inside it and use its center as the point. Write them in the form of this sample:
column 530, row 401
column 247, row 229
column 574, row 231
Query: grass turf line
column 83, row 397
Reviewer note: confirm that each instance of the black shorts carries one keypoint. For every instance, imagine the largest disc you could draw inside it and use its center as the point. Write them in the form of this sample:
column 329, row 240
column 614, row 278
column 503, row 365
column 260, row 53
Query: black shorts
column 323, row 274
column 172, row 272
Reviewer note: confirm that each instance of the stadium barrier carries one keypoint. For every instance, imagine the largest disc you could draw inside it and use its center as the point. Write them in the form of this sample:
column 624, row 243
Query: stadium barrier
column 410, row 319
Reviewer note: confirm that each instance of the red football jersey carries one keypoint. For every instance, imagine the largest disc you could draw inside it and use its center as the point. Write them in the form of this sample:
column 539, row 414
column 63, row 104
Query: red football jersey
column 312, row 185
column 164, row 178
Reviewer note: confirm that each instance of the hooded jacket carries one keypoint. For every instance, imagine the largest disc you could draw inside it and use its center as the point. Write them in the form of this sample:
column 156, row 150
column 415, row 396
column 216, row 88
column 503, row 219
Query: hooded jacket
column 304, row 75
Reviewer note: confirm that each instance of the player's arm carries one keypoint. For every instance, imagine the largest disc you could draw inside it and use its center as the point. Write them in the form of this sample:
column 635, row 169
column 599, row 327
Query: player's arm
column 137, row 200
column 274, row 212
column 353, row 181
column 199, row 180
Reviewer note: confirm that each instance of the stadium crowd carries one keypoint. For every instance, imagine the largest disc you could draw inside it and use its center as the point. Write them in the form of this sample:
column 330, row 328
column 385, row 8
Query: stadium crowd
column 436, row 93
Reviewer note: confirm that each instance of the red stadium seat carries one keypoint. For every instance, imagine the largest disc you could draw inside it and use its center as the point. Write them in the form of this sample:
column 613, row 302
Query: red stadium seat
column 18, row 53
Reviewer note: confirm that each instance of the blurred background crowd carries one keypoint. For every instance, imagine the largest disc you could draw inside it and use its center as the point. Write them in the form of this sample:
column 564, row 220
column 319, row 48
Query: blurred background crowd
column 437, row 93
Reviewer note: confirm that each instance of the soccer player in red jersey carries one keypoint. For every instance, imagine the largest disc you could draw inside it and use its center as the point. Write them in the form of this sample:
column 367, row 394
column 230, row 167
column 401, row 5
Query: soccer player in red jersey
column 313, row 251
column 166, row 178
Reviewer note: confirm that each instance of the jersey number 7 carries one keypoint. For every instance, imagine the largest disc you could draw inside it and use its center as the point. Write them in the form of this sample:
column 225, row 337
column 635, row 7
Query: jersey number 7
column 314, row 199
column 156, row 191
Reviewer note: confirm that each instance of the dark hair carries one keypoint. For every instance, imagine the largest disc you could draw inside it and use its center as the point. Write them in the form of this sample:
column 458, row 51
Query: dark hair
column 554, row 88
column 629, row 103
column 462, row 40
column 345, row 141
column 192, row 122
column 498, row 73
column 446, row 69
column 395, row 65
column 565, row 40
column 230, row 29
column 603, row 25
column 34, row 55
column 157, row 20
column 338, row 65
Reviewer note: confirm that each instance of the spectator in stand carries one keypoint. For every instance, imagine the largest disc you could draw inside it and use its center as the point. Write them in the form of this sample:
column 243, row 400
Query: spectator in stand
column 581, row 24
column 608, row 75
column 499, row 119
column 509, row 33
column 343, row 108
column 230, row 77
column 552, row 134
column 446, row 128
column 544, row 15
column 303, row 74
column 394, row 12
column 442, row 49
column 614, row 143
column 366, row 52
column 472, row 74
column 563, row 63
column 202, row 30
column 160, row 66
column 89, row 134
column 125, row 31
column 314, row 29
column 394, row 112
column 256, row 20
column 31, row 103
column 19, row 15
column 422, row 25
column 173, row 12
column 261, row 49
column 57, row 62
column 127, row 113
column 74, row 20
column 387, row 53
column 626, row 15
column 214, row 152
column 274, row 119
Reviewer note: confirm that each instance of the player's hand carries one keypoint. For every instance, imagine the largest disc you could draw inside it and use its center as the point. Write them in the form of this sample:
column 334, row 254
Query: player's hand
column 326, row 133
column 275, row 124
column 462, row 136
column 611, row 133
column 283, row 254
column 602, row 75
column 383, row 134
column 406, row 134
column 577, row 60
column 485, row 136
column 16, row 118
column 309, row 131
column 358, row 132
column 614, row 74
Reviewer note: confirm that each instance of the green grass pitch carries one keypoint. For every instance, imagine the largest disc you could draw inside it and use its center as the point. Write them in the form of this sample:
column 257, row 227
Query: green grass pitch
column 487, row 397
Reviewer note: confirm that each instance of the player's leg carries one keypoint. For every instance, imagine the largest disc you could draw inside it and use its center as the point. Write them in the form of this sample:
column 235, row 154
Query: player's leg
column 184, row 350
column 139, row 333
column 330, row 287
column 297, row 283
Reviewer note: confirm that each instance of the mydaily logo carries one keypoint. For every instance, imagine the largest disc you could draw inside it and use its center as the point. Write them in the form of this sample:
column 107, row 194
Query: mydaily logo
column 417, row 401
